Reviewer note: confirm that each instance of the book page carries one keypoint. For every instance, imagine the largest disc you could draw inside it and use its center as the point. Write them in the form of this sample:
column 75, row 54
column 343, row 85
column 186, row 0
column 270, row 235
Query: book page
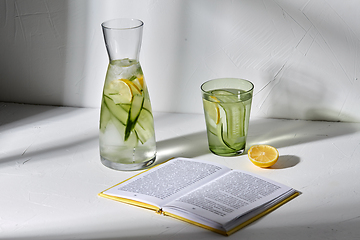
column 227, row 197
column 167, row 181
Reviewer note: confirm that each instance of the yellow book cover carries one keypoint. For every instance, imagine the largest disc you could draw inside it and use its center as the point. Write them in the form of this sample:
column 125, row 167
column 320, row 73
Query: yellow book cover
column 205, row 194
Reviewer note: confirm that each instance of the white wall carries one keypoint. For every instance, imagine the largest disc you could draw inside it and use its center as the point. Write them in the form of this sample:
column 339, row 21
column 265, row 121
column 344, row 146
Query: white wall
column 303, row 55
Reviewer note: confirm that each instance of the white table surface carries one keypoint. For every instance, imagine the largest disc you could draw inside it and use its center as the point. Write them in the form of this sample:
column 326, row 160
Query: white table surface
column 50, row 175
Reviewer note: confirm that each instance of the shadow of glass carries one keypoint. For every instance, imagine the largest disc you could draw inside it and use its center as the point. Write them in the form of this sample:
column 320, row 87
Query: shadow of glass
column 276, row 132
column 320, row 114
column 190, row 146
column 283, row 133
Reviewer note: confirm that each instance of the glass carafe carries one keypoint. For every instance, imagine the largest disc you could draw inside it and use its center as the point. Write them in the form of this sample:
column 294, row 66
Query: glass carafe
column 127, row 136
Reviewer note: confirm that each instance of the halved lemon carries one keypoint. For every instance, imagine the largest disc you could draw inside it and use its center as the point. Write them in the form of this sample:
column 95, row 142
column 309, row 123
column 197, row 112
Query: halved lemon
column 263, row 155
column 212, row 109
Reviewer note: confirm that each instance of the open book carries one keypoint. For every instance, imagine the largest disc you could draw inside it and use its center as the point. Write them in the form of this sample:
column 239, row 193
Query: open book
column 205, row 194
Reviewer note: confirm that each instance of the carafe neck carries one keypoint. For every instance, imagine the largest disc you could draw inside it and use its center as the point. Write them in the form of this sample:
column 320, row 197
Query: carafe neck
column 123, row 38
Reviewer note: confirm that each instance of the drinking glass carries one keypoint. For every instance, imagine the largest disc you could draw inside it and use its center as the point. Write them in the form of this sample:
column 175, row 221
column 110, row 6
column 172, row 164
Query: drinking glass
column 227, row 105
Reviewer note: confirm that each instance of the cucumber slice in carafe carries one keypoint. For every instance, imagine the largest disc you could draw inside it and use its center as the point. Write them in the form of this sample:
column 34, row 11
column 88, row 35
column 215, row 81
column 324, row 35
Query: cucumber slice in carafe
column 144, row 127
column 135, row 109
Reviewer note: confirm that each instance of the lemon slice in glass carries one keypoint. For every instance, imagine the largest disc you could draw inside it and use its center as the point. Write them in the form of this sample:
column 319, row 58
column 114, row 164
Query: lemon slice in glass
column 212, row 109
column 263, row 155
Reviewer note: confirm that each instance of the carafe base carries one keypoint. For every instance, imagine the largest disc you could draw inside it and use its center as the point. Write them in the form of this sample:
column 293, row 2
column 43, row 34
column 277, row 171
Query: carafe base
column 128, row 166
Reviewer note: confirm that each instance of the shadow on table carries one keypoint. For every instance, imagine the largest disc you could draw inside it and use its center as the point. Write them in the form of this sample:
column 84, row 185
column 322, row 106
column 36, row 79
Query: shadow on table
column 50, row 151
column 286, row 161
column 11, row 113
column 343, row 230
column 283, row 133
column 190, row 146
column 14, row 116
column 279, row 133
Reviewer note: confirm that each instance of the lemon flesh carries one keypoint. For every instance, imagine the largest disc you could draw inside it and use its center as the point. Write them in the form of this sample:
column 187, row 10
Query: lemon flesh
column 263, row 155
column 212, row 110
column 120, row 91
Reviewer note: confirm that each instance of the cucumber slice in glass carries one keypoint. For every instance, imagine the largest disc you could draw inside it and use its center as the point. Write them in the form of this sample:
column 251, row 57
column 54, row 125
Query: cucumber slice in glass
column 232, row 112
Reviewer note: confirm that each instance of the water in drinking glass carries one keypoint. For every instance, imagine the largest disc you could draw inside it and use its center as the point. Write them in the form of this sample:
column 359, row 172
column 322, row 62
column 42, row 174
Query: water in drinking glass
column 227, row 113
